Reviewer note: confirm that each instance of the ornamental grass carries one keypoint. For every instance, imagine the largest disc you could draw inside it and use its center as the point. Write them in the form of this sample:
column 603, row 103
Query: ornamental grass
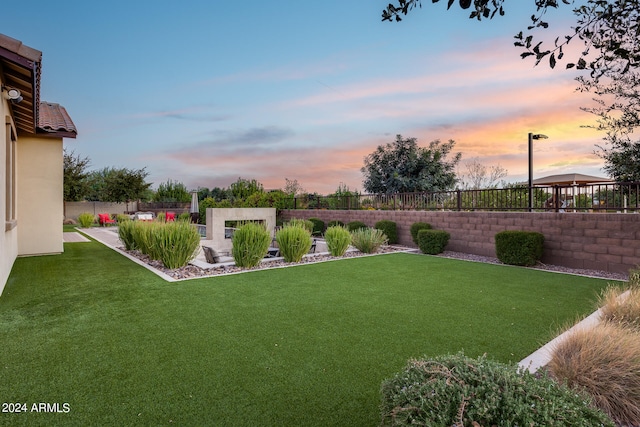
column 250, row 244
column 338, row 240
column 294, row 242
column 368, row 240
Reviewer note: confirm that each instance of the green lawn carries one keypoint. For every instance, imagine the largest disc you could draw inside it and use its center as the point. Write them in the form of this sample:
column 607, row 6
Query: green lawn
column 308, row 345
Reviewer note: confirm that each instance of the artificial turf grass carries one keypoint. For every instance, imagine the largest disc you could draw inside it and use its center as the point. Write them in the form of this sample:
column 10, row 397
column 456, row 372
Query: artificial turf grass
column 308, row 345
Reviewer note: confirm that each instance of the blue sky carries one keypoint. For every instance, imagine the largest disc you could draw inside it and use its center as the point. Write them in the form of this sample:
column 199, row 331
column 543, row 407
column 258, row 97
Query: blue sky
column 207, row 92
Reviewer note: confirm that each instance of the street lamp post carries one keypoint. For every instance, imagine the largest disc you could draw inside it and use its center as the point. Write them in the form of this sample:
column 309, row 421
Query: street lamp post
column 531, row 138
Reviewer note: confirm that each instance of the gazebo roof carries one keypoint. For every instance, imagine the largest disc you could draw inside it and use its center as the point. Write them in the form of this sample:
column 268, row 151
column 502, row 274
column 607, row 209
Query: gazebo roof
column 570, row 179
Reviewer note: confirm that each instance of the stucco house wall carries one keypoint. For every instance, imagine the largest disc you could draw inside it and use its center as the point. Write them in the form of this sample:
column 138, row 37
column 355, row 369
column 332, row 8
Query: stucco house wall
column 9, row 237
column 40, row 205
column 31, row 159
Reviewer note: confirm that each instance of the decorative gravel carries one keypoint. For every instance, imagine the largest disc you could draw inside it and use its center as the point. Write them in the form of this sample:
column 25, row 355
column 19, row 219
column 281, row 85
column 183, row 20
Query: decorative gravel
column 192, row 271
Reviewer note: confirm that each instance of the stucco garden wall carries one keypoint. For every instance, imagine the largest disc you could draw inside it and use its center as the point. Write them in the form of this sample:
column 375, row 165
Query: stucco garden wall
column 216, row 218
column 598, row 241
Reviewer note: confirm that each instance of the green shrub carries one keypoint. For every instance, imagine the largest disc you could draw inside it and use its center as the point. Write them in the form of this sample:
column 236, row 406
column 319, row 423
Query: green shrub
column 120, row 218
column 318, row 226
column 355, row 225
column 368, row 240
column 416, row 227
column 516, row 247
column 250, row 244
column 460, row 391
column 432, row 242
column 390, row 229
column 304, row 223
column 338, row 240
column 126, row 232
column 294, row 242
column 335, row 222
column 184, row 216
column 161, row 217
column 86, row 219
column 176, row 243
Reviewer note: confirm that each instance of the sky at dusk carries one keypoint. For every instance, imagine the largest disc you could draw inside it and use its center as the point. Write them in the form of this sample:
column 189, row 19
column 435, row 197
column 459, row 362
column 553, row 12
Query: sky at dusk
column 205, row 92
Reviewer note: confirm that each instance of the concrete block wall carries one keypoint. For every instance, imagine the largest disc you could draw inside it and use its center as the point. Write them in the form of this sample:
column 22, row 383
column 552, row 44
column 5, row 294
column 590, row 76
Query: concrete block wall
column 597, row 241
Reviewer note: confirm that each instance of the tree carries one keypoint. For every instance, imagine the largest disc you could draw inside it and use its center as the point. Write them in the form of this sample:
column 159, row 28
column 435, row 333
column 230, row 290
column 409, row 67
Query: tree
column 292, row 187
column 172, row 192
column 478, row 177
column 119, row 185
column 608, row 29
column 243, row 188
column 618, row 111
column 76, row 186
column 402, row 166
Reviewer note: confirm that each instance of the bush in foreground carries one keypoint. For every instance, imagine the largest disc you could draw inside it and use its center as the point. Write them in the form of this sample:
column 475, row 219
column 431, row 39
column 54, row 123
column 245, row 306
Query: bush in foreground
column 294, row 242
column 176, row 243
column 338, row 240
column 390, row 229
column 250, row 244
column 368, row 240
column 432, row 242
column 603, row 361
column 516, row 247
column 415, row 229
column 460, row 391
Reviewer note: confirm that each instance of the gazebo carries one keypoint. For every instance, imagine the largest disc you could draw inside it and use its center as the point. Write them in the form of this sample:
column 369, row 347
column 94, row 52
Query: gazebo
column 571, row 179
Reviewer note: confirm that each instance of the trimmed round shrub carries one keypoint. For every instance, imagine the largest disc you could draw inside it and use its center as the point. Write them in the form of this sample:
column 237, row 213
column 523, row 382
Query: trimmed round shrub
column 516, row 247
column 338, row 240
column 294, row 242
column 86, row 219
column 318, row 226
column 368, row 240
column 416, row 227
column 335, row 222
column 432, row 242
column 355, row 225
column 250, row 244
column 389, row 228
column 457, row 390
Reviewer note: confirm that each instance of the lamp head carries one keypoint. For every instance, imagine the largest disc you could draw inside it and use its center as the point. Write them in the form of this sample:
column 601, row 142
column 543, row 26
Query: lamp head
column 12, row 94
column 539, row 136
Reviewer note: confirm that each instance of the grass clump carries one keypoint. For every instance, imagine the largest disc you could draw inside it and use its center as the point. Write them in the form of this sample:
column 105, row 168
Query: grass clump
column 126, row 232
column 456, row 390
column 432, row 242
column 86, row 219
column 294, row 242
column 621, row 306
column 304, row 223
column 603, row 361
column 250, row 244
column 368, row 240
column 176, row 243
column 390, row 229
column 517, row 247
column 415, row 229
column 338, row 240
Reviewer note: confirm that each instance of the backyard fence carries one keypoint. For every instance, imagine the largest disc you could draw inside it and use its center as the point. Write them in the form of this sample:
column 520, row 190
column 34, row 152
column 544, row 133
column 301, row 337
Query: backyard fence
column 618, row 197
